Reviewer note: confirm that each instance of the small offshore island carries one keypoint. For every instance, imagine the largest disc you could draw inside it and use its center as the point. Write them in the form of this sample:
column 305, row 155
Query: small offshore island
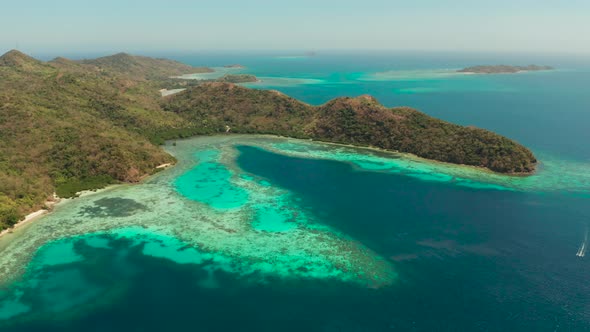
column 502, row 69
column 68, row 126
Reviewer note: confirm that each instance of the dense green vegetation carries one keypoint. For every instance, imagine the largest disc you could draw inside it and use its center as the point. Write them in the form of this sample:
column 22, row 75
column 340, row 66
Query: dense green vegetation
column 71, row 187
column 238, row 78
column 360, row 121
column 363, row 121
column 67, row 126
column 140, row 67
column 217, row 105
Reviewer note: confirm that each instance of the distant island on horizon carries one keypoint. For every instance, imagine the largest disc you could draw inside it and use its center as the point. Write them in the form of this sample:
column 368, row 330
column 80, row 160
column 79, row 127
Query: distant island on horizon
column 502, row 69
column 68, row 126
column 234, row 66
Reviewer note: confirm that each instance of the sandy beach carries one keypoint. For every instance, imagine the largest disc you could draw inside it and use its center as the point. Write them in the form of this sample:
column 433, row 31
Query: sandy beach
column 30, row 217
column 50, row 204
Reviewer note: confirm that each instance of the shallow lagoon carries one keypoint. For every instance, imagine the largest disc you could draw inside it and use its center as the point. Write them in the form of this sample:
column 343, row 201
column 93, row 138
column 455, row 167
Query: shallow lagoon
column 246, row 208
column 320, row 237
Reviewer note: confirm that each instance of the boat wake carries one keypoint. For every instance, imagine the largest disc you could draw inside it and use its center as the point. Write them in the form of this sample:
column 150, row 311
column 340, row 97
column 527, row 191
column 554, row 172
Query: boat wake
column 582, row 251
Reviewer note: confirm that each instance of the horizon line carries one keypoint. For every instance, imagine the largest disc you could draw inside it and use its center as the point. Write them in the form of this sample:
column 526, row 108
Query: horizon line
column 291, row 52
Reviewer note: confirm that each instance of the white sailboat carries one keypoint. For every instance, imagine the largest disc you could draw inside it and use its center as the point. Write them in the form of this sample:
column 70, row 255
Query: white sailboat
column 582, row 251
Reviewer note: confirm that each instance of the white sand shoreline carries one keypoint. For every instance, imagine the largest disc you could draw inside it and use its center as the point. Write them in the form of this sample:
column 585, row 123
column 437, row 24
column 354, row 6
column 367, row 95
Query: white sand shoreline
column 50, row 204
column 28, row 218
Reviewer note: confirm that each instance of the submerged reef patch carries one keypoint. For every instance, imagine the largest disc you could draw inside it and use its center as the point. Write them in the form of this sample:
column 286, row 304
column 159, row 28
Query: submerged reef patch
column 283, row 82
column 112, row 207
column 553, row 174
column 205, row 208
column 210, row 183
column 208, row 212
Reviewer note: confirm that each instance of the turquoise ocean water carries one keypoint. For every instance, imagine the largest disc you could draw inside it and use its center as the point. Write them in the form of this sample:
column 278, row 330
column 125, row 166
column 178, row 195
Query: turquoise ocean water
column 267, row 234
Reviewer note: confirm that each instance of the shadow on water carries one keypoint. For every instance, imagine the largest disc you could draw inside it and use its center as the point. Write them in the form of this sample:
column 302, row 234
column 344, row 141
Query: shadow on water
column 113, row 207
column 125, row 290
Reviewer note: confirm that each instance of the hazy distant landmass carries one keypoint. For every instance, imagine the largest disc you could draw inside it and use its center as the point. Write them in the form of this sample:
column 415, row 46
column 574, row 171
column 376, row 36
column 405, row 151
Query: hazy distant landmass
column 67, row 126
column 502, row 69
column 143, row 67
column 234, row 66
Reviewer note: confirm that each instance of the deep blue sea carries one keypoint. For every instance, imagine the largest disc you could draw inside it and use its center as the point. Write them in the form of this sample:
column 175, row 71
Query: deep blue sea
column 465, row 258
column 547, row 111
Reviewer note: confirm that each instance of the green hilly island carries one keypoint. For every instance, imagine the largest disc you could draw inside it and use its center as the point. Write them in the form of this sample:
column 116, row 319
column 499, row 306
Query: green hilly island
column 67, row 126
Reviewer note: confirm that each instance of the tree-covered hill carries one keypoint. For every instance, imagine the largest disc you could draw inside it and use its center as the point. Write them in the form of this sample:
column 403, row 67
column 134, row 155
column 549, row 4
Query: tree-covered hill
column 67, row 126
column 360, row 121
column 70, row 125
column 140, row 67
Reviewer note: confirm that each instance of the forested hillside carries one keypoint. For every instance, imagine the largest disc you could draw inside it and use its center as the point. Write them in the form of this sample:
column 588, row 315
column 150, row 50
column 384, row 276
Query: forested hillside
column 359, row 121
column 67, row 126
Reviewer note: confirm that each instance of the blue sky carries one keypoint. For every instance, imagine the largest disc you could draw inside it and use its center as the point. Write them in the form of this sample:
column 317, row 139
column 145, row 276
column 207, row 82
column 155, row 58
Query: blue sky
column 181, row 25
